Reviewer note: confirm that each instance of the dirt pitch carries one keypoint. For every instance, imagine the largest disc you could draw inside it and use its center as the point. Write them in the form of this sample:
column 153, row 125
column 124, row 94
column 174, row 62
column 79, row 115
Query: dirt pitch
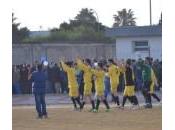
column 67, row 119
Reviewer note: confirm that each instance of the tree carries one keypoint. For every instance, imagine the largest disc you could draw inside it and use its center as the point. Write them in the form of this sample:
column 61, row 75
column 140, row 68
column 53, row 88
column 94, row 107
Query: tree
column 124, row 18
column 54, row 30
column 64, row 26
column 83, row 28
column 18, row 34
column 15, row 27
column 86, row 16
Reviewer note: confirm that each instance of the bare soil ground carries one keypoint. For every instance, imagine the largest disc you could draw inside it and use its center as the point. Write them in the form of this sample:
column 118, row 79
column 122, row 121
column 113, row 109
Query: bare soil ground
column 24, row 118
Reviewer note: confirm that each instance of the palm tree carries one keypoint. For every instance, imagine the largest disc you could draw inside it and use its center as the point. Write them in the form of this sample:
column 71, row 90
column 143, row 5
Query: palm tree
column 124, row 18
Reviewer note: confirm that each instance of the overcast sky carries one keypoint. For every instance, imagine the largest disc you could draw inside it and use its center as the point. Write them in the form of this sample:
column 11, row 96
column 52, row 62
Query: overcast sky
column 50, row 13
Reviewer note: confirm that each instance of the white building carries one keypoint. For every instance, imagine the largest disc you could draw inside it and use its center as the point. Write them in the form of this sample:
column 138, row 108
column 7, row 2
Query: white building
column 137, row 41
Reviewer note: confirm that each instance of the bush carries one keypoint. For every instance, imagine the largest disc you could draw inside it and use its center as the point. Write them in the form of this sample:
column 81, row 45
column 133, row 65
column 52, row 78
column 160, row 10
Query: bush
column 77, row 34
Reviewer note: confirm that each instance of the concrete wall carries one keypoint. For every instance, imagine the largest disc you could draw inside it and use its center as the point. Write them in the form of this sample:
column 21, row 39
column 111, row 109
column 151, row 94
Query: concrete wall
column 124, row 47
column 28, row 53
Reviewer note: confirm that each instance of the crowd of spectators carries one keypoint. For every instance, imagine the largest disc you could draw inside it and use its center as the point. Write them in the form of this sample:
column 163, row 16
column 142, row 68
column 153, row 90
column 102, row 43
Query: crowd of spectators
column 56, row 78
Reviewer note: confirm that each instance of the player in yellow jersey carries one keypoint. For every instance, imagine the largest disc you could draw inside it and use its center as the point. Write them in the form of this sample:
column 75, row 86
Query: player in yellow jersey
column 99, row 74
column 153, row 84
column 114, row 73
column 69, row 68
column 86, row 67
column 129, row 91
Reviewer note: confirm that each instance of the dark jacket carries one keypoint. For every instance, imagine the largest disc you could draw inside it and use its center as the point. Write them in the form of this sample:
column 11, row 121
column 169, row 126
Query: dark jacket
column 39, row 79
column 146, row 73
column 129, row 79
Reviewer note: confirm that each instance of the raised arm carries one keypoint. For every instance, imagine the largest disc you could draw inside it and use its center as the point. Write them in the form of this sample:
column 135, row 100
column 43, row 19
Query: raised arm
column 64, row 66
column 122, row 68
column 81, row 65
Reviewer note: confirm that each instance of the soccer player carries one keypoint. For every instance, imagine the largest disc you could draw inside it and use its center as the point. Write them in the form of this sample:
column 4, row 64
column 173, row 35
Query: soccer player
column 146, row 77
column 72, row 83
column 79, row 75
column 129, row 91
column 86, row 67
column 107, row 90
column 153, row 83
column 114, row 73
column 138, row 75
column 99, row 86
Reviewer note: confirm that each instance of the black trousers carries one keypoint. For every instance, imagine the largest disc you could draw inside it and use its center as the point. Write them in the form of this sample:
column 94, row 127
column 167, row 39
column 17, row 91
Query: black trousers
column 145, row 92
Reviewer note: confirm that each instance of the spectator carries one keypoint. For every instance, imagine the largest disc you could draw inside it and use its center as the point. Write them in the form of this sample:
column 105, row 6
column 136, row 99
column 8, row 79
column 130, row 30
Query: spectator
column 56, row 79
column 15, row 80
column 25, row 84
column 51, row 77
column 63, row 79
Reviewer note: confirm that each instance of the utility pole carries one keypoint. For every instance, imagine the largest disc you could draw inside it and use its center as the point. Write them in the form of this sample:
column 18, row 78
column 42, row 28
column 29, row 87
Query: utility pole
column 150, row 12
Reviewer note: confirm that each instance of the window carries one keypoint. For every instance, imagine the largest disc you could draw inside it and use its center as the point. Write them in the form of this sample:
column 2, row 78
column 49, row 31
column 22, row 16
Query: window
column 140, row 46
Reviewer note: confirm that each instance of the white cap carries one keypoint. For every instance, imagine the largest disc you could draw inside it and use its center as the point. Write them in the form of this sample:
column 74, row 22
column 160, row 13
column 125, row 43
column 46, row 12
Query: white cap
column 45, row 63
column 95, row 64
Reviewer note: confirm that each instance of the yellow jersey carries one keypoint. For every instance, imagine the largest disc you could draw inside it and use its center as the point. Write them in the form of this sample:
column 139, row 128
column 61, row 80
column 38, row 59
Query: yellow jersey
column 99, row 81
column 72, row 80
column 153, row 81
column 87, row 77
column 114, row 73
column 87, row 72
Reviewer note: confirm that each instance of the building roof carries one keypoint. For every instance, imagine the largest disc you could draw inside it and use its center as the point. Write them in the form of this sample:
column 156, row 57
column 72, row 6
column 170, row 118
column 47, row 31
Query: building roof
column 39, row 33
column 134, row 31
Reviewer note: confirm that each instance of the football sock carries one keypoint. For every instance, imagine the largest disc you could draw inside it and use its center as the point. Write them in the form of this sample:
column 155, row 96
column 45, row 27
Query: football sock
column 73, row 100
column 156, row 97
column 124, row 100
column 93, row 104
column 117, row 100
column 79, row 103
column 106, row 103
column 135, row 100
column 97, row 104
